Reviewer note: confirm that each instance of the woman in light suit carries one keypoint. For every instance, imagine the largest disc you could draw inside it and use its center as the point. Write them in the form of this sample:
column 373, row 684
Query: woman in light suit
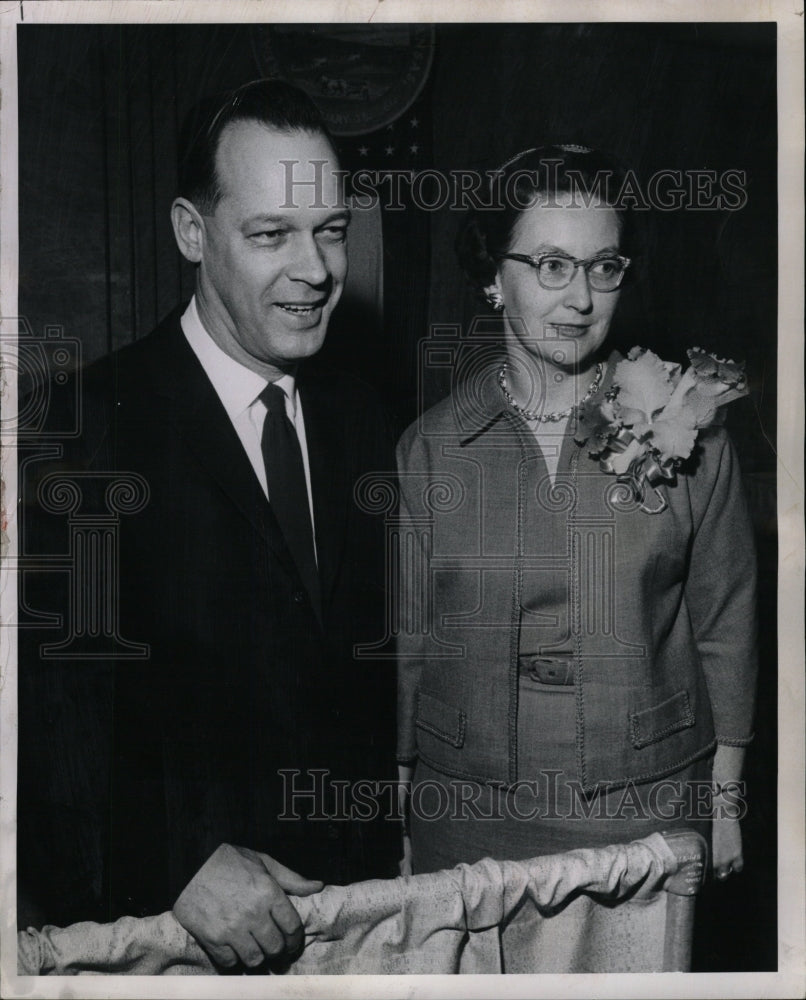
column 577, row 655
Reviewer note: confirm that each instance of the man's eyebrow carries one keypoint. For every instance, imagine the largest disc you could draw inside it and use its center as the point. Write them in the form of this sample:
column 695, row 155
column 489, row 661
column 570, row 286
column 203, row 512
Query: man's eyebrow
column 265, row 219
column 344, row 215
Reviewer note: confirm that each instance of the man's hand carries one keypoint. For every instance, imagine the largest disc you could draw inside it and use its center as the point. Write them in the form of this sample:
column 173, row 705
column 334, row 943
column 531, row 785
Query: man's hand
column 236, row 907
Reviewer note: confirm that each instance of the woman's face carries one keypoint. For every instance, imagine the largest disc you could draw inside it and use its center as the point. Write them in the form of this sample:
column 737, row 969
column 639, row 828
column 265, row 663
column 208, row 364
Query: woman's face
column 563, row 327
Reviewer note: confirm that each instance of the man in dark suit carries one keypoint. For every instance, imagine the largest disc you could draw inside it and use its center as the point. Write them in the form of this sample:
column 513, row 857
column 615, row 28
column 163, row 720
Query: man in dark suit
column 248, row 572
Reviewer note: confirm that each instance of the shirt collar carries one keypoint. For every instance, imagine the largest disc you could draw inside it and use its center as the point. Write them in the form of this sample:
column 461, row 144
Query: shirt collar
column 237, row 386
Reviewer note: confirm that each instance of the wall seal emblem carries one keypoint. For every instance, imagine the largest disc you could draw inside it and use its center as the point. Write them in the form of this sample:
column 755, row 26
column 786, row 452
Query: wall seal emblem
column 362, row 77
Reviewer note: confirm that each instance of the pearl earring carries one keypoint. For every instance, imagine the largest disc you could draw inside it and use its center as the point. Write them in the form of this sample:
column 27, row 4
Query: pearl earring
column 496, row 300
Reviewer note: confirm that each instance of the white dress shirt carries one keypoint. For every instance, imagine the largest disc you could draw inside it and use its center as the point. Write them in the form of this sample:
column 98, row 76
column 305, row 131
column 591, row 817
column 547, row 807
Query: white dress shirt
column 239, row 390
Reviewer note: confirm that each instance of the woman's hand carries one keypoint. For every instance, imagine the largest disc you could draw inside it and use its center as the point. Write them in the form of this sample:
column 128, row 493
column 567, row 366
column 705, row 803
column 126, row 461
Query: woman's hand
column 404, row 866
column 405, row 774
column 726, row 834
column 726, row 844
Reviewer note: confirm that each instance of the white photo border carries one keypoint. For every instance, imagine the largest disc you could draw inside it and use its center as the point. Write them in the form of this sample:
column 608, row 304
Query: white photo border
column 790, row 980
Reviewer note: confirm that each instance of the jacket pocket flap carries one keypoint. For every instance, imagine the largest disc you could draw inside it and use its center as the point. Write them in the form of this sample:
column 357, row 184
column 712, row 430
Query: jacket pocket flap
column 656, row 723
column 441, row 720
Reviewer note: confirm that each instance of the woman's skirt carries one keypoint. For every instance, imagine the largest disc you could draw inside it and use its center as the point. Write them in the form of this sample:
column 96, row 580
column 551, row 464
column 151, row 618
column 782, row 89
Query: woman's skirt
column 453, row 820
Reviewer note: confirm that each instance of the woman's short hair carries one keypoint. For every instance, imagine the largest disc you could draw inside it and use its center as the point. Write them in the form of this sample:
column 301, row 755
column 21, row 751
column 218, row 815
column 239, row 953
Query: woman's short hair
column 540, row 173
column 272, row 103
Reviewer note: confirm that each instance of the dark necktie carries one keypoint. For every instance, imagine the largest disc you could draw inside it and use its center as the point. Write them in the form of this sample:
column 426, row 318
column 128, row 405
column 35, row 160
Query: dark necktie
column 288, row 493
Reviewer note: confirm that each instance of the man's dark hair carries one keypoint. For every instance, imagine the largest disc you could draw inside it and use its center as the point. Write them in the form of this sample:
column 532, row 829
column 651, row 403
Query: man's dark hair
column 272, row 103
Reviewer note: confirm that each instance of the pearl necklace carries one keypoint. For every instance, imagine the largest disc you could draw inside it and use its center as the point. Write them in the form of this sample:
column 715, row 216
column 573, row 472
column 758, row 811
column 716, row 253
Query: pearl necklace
column 545, row 418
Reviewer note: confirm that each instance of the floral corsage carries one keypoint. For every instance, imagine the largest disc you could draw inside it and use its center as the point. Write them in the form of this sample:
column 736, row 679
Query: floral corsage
column 646, row 425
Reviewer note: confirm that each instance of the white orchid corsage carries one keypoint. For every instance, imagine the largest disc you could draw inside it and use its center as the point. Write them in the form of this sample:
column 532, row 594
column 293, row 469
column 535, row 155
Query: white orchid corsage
column 647, row 423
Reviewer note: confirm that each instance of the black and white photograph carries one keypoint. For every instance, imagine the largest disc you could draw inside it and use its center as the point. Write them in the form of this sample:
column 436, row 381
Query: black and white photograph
column 402, row 513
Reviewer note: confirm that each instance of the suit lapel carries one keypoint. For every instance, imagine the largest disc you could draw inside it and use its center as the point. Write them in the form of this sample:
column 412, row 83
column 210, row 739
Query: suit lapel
column 328, row 459
column 207, row 432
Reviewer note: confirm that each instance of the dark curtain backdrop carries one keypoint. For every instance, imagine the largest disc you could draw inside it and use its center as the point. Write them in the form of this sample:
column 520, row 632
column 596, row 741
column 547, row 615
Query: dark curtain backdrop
column 100, row 108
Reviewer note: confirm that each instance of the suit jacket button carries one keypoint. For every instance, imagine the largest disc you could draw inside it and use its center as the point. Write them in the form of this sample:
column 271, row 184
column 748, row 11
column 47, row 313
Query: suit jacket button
column 299, row 596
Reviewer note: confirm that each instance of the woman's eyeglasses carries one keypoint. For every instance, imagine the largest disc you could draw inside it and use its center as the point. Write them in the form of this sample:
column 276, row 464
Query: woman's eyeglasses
column 605, row 272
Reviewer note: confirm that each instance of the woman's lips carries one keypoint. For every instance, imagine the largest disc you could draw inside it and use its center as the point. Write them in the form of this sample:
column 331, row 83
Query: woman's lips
column 567, row 329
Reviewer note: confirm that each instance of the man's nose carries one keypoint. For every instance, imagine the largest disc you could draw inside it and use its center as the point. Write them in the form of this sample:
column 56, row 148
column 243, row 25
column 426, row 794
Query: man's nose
column 309, row 263
column 578, row 292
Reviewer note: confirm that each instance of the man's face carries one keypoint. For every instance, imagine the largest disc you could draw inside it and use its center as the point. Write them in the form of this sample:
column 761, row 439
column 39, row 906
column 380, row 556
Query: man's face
column 274, row 254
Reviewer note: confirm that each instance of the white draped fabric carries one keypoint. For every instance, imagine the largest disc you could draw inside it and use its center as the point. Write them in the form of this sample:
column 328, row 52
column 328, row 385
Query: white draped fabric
column 597, row 910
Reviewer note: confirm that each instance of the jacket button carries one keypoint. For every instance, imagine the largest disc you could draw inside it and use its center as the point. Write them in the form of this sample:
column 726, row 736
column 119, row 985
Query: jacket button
column 299, row 596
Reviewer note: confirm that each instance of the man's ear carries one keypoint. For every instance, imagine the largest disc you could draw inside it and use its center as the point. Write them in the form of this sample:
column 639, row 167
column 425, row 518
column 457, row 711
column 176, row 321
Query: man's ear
column 188, row 229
